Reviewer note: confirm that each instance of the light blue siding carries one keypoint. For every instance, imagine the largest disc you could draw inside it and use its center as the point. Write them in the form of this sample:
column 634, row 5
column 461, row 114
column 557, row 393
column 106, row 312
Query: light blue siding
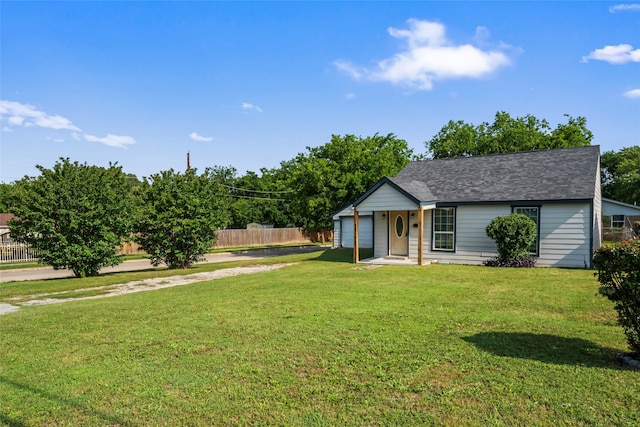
column 365, row 231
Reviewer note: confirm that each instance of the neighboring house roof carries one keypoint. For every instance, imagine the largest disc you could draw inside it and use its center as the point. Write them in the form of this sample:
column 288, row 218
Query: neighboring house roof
column 560, row 174
column 4, row 219
column 623, row 208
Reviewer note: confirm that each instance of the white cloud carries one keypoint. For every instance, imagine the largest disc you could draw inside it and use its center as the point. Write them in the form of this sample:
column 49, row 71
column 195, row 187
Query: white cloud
column 430, row 57
column 111, row 140
column 246, row 106
column 346, row 67
column 196, row 137
column 625, row 8
column 17, row 114
column 634, row 93
column 620, row 54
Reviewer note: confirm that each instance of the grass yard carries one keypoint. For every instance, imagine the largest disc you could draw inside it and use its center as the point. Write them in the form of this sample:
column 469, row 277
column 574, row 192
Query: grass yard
column 321, row 343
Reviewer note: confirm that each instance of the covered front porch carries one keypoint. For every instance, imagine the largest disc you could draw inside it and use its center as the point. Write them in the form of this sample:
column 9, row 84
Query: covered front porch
column 398, row 214
column 398, row 237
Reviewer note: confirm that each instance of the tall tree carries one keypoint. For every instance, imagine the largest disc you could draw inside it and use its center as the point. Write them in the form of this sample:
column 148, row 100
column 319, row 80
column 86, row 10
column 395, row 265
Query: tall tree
column 506, row 134
column 620, row 173
column 5, row 190
column 181, row 213
column 75, row 216
column 333, row 175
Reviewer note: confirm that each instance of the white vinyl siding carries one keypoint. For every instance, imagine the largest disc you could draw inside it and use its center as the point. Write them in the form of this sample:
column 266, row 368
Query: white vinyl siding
column 564, row 230
column 337, row 235
column 387, row 198
column 565, row 236
column 381, row 234
column 473, row 246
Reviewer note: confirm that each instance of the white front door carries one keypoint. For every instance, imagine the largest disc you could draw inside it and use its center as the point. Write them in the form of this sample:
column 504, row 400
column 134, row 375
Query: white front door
column 399, row 230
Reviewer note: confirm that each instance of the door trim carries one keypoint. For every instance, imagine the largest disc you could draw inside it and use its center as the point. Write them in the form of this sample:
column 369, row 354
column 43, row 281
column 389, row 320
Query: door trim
column 399, row 233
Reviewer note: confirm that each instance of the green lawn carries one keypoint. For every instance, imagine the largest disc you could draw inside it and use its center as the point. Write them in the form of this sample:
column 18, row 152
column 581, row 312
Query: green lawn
column 321, row 343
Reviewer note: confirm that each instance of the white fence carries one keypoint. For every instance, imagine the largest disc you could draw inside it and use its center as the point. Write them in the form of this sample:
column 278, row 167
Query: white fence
column 16, row 252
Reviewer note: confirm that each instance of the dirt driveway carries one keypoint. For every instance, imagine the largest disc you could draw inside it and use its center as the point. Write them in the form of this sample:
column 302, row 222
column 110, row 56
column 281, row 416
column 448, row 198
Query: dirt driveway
column 43, row 273
column 135, row 286
column 148, row 284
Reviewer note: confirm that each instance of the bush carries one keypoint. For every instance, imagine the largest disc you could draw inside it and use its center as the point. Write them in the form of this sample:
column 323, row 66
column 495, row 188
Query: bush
column 618, row 272
column 514, row 235
column 181, row 213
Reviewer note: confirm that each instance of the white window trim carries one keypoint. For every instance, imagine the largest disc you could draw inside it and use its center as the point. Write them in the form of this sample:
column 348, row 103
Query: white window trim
column 434, row 232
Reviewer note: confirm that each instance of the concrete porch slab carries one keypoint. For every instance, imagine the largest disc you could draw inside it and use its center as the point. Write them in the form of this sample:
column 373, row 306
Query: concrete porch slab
column 395, row 261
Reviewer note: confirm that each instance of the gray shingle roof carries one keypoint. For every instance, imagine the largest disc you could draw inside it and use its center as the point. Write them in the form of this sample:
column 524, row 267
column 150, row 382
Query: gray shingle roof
column 418, row 189
column 561, row 174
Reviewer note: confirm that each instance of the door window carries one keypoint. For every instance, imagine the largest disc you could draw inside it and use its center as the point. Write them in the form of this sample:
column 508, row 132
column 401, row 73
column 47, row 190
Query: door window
column 399, row 226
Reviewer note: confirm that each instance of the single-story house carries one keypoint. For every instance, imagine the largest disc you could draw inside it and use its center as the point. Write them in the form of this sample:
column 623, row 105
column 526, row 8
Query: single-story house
column 621, row 216
column 438, row 210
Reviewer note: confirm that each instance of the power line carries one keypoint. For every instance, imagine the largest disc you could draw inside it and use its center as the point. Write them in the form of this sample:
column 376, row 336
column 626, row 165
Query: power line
column 256, row 198
column 258, row 191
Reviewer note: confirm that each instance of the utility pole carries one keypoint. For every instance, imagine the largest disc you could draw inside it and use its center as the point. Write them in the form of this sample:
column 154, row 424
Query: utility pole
column 188, row 160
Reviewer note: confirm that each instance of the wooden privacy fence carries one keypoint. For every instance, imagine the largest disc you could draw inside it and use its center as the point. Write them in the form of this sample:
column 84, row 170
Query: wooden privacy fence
column 15, row 252
column 268, row 236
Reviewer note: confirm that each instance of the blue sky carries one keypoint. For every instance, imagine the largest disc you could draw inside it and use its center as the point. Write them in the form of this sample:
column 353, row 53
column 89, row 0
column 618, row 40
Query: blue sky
column 251, row 84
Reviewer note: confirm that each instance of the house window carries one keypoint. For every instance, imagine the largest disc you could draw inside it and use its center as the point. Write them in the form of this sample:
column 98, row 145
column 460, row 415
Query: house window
column 444, row 220
column 534, row 214
column 617, row 221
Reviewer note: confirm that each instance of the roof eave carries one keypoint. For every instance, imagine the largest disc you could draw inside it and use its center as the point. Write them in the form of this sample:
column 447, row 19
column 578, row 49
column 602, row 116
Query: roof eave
column 393, row 185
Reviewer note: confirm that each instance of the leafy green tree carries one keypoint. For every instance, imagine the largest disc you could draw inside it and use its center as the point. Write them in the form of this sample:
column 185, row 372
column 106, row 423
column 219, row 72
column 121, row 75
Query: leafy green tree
column 5, row 190
column 620, row 173
column 514, row 235
column 506, row 134
column 181, row 213
column 75, row 216
column 333, row 175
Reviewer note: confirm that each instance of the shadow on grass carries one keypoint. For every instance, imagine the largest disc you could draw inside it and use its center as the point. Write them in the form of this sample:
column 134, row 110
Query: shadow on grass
column 276, row 251
column 545, row 348
column 11, row 422
column 344, row 255
column 57, row 400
